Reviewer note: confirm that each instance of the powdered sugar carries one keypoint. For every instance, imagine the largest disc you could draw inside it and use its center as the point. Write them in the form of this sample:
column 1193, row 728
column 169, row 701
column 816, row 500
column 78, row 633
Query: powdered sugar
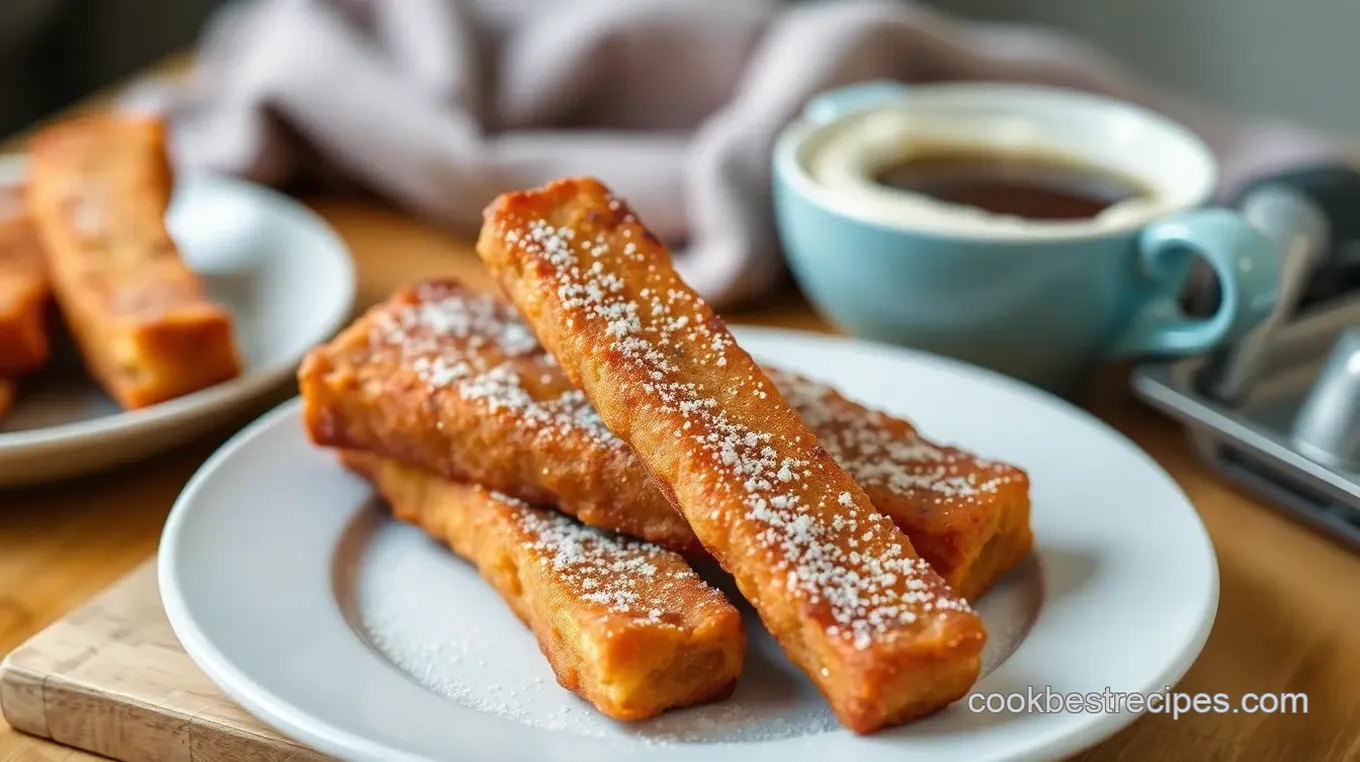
column 87, row 207
column 782, row 491
column 435, row 619
column 616, row 572
column 477, row 346
column 881, row 453
column 474, row 346
column 432, row 617
column 474, row 318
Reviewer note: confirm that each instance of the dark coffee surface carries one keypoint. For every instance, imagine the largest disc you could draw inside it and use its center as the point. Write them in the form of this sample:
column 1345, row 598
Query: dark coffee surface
column 1032, row 186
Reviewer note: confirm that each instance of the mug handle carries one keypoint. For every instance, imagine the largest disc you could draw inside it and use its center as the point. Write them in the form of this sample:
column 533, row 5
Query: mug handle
column 833, row 104
column 1248, row 271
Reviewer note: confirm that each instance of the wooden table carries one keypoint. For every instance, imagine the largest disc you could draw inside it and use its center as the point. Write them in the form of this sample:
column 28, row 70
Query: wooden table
column 1286, row 621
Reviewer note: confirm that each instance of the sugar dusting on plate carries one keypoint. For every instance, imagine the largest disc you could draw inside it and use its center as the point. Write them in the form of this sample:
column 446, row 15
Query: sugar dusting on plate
column 434, row 619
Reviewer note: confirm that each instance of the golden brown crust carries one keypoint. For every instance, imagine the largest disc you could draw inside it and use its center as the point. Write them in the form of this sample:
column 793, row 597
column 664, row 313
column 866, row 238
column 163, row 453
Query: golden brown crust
column 24, row 290
column 454, row 384
column 7, row 392
column 967, row 516
column 412, row 379
column 98, row 189
column 625, row 625
column 836, row 583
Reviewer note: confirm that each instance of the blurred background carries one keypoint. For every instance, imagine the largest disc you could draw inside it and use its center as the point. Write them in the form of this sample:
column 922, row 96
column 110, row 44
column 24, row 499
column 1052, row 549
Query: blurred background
column 1255, row 56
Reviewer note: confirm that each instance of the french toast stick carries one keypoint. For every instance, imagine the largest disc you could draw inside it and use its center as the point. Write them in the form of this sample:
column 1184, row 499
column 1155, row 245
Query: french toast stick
column 24, row 292
column 451, row 381
column 626, row 625
column 99, row 188
column 967, row 516
column 843, row 591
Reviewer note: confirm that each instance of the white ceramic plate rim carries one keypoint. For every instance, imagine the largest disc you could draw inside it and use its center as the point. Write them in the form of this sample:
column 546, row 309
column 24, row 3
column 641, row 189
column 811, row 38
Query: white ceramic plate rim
column 1048, row 737
column 257, row 381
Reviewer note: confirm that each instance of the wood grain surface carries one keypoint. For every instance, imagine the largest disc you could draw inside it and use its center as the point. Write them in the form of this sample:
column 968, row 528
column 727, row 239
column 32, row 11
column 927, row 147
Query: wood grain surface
column 110, row 677
column 1286, row 619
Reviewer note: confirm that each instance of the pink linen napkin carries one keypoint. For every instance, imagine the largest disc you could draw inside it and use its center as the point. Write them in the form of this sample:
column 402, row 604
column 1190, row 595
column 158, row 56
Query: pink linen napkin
column 441, row 104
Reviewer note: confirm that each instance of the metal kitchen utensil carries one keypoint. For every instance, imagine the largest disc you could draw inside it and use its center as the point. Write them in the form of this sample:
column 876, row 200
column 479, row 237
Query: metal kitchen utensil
column 1301, row 233
column 1335, row 190
column 1254, row 446
column 1279, row 412
column 1327, row 426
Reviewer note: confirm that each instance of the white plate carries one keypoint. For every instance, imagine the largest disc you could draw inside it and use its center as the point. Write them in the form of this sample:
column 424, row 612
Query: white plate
column 358, row 636
column 284, row 275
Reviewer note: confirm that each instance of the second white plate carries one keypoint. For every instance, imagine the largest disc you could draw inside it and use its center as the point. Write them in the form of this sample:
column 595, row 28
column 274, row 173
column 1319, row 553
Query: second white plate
column 285, row 276
column 292, row 589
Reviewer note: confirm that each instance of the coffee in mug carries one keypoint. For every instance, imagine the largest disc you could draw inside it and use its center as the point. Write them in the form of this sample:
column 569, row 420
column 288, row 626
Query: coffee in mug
column 1031, row 185
column 1031, row 230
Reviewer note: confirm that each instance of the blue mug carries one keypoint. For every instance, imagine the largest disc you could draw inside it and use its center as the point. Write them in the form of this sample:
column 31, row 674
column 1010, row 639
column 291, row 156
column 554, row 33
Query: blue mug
column 1040, row 300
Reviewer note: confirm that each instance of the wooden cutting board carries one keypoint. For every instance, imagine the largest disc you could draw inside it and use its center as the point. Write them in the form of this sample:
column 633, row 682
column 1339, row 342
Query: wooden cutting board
column 111, row 678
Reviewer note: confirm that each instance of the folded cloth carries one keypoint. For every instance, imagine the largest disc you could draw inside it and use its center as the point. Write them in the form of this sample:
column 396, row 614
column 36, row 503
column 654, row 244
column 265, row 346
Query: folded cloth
column 440, row 104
